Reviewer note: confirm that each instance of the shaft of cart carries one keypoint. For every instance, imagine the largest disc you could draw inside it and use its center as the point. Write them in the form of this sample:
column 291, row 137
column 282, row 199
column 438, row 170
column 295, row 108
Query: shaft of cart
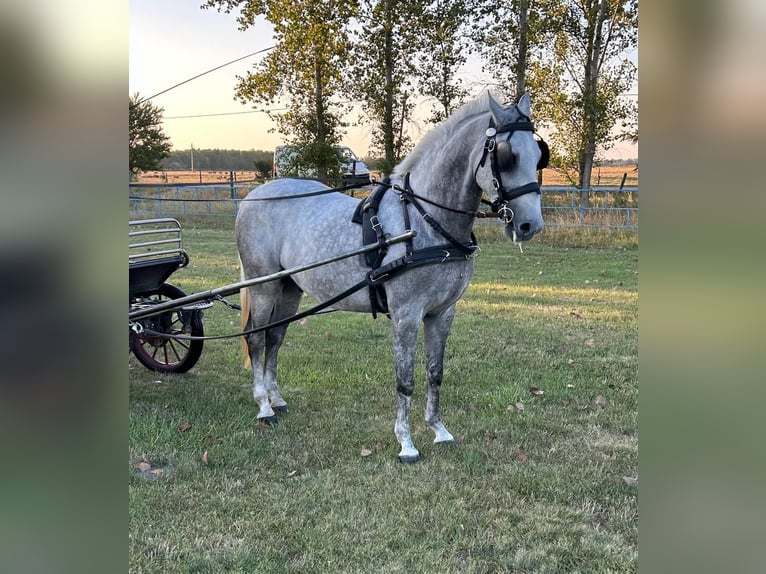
column 235, row 287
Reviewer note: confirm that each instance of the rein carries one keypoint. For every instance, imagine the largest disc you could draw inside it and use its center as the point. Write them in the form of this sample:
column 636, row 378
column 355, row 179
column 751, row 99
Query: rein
column 312, row 311
column 276, row 198
column 408, row 196
column 480, row 213
column 372, row 230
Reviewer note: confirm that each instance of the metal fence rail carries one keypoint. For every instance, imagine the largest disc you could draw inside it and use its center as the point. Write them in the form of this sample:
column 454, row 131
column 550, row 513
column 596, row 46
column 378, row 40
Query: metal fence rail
column 606, row 206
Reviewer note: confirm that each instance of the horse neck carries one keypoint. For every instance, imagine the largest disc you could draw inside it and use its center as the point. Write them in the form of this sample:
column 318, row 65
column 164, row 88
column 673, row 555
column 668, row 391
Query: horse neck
column 444, row 174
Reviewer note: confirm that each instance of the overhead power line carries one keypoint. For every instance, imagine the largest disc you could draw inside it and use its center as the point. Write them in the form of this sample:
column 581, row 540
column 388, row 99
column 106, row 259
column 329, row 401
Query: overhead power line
column 225, row 114
column 141, row 101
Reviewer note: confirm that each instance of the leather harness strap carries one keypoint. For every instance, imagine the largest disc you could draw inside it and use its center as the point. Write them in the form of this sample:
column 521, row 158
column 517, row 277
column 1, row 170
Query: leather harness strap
column 372, row 230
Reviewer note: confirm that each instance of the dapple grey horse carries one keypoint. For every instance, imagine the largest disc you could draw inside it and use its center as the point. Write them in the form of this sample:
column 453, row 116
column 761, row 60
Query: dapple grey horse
column 484, row 147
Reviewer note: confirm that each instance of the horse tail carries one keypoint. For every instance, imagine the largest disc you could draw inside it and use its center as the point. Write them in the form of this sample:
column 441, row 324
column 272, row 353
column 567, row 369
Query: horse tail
column 244, row 315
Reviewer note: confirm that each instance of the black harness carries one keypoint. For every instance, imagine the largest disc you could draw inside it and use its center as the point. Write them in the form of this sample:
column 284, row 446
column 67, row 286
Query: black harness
column 366, row 214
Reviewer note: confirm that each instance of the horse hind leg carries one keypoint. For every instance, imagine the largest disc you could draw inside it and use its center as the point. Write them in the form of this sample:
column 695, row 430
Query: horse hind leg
column 263, row 300
column 287, row 306
column 436, row 331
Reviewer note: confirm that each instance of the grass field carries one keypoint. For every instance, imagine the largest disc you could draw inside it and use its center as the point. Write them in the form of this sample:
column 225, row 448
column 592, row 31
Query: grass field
column 537, row 483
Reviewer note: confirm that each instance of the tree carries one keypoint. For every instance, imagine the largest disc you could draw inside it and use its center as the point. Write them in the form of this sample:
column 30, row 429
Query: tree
column 579, row 80
column 384, row 73
column 219, row 160
column 444, row 48
column 148, row 145
column 303, row 71
column 262, row 168
column 512, row 34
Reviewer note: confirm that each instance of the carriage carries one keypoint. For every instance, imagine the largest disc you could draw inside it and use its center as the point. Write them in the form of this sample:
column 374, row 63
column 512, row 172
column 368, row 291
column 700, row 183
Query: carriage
column 155, row 253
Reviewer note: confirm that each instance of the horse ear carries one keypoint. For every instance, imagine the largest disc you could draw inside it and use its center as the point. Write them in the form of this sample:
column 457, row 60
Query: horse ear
column 524, row 105
column 498, row 111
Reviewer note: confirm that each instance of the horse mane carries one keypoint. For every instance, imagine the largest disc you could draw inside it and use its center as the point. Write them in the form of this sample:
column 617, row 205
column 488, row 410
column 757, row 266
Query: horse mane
column 439, row 136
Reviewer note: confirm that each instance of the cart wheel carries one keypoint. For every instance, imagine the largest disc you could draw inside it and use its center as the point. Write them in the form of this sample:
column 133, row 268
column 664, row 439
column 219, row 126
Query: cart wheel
column 169, row 355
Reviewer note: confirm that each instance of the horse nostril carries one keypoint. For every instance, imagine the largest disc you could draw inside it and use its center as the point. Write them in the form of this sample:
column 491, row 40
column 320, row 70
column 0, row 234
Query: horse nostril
column 525, row 227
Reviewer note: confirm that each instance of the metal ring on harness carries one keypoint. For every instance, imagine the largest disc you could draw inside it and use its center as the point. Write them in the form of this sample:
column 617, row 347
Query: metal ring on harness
column 506, row 213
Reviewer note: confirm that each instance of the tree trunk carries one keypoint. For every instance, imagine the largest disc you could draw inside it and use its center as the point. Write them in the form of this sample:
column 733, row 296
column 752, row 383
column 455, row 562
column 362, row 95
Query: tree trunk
column 445, row 91
column 401, row 129
column 521, row 66
column 592, row 65
column 320, row 113
column 388, row 109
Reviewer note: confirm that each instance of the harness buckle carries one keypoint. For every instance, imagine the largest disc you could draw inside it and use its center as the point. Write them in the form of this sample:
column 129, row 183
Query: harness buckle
column 375, row 279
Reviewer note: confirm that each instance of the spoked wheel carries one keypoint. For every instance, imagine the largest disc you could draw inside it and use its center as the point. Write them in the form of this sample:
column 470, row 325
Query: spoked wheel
column 160, row 353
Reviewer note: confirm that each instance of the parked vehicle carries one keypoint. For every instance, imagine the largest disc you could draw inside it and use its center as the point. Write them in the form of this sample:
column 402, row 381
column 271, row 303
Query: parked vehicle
column 353, row 169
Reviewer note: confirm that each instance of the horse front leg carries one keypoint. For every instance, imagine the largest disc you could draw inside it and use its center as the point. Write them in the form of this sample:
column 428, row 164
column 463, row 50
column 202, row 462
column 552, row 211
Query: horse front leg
column 405, row 344
column 436, row 331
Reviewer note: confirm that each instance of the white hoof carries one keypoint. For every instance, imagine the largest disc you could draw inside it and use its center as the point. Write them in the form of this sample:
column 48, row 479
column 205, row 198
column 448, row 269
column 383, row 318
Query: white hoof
column 409, row 455
column 265, row 412
column 442, row 434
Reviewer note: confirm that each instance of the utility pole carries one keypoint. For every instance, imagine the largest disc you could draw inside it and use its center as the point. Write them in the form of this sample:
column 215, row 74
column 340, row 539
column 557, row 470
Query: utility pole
column 192, row 157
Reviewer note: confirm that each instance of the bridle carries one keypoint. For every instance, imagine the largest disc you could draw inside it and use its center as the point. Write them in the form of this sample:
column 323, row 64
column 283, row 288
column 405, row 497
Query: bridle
column 504, row 195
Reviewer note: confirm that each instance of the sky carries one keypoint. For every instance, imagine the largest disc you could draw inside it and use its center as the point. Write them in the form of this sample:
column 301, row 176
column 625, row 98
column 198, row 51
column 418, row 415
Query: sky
column 174, row 40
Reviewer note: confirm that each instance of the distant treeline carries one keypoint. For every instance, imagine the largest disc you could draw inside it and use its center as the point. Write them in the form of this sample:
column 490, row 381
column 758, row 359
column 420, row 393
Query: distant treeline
column 629, row 161
column 218, row 160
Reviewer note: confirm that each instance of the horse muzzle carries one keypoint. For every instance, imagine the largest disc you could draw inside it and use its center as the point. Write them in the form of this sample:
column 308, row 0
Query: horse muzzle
column 525, row 219
column 519, row 230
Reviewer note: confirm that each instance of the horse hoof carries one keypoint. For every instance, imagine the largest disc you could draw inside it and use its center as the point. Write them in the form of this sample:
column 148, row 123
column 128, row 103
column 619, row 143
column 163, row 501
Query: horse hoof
column 281, row 409
column 409, row 459
column 271, row 421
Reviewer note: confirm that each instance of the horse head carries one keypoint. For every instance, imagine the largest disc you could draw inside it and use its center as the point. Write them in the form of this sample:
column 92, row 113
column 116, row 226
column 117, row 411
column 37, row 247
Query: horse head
column 507, row 172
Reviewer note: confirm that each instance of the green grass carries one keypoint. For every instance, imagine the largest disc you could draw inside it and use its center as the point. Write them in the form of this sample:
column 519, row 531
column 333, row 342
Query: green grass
column 538, row 491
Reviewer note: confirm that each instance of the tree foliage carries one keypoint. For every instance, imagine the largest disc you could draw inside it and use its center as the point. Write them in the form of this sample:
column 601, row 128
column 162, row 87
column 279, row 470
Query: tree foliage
column 384, row 74
column 580, row 78
column 387, row 55
column 147, row 144
column 304, row 71
column 510, row 35
column 444, row 48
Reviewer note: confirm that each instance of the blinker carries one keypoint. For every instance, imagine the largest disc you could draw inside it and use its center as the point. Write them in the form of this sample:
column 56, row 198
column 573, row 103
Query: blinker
column 505, row 157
